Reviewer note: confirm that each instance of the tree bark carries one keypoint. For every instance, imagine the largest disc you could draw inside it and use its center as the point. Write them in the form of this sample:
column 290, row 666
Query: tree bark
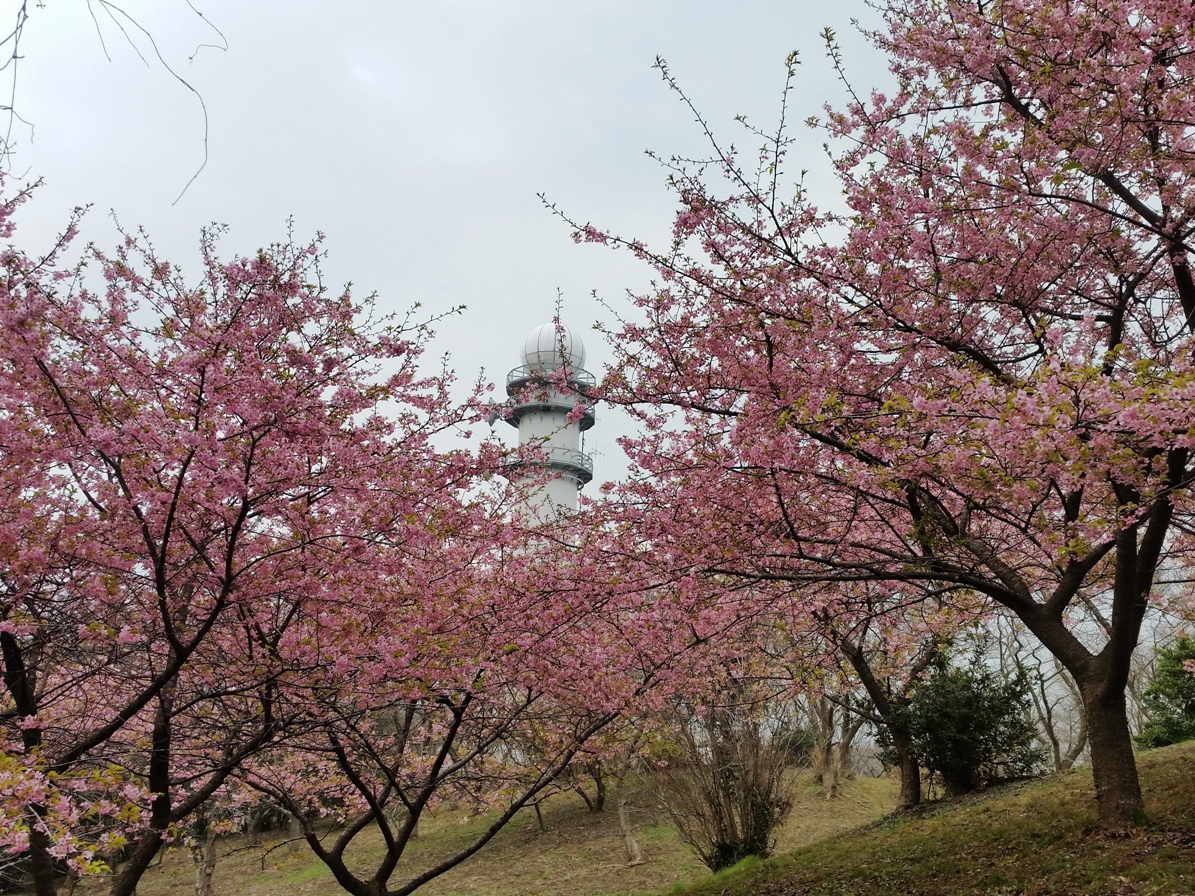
column 1117, row 788
column 294, row 831
column 634, row 850
column 830, row 771
column 822, row 714
column 1076, row 749
column 1102, row 679
column 125, row 881
column 43, row 868
column 149, row 841
column 910, row 771
column 599, row 782
column 595, row 770
column 206, row 867
column 843, row 767
column 253, row 830
column 886, row 706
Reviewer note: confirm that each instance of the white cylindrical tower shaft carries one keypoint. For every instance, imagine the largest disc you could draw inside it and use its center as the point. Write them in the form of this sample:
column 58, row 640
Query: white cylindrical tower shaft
column 545, row 390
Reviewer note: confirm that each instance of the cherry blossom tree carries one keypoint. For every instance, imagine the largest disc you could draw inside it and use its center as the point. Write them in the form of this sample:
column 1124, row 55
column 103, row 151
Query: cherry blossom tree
column 188, row 471
column 978, row 380
column 481, row 665
column 236, row 555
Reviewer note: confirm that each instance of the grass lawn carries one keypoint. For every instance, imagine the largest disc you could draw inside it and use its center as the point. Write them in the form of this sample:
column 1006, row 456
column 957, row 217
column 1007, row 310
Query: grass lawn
column 577, row 855
column 1027, row 839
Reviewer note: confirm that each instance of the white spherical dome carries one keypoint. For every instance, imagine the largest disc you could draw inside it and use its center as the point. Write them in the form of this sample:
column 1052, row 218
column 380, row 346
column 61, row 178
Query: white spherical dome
column 549, row 348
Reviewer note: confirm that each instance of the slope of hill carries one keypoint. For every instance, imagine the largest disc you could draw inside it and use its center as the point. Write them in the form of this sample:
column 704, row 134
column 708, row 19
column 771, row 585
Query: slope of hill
column 1029, row 839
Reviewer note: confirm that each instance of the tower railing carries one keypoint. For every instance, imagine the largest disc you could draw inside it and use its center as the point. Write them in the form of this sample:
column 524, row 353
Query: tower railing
column 534, row 390
column 567, row 461
column 521, row 377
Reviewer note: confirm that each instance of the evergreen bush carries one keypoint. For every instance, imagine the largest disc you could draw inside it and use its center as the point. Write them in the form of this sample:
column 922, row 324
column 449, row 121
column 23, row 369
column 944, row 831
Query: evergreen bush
column 971, row 726
column 1169, row 701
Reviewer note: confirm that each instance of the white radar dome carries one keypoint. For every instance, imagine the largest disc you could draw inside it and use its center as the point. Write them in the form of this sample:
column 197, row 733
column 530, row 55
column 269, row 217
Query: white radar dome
column 550, row 347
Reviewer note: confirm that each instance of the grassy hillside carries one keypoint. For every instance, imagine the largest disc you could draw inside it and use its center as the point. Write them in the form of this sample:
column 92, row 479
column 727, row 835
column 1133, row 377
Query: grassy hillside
column 1029, row 839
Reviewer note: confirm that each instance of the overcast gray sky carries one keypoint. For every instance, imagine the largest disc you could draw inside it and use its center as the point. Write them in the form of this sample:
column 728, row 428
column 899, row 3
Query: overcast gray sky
column 415, row 135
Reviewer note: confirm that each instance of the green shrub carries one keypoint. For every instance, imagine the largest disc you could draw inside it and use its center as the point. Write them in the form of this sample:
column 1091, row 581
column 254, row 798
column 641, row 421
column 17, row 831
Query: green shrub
column 970, row 726
column 1169, row 701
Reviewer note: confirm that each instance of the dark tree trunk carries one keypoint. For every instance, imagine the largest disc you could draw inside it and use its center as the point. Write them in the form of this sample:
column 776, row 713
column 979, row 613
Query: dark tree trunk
column 1103, row 678
column 147, row 844
column 1117, row 788
column 126, row 880
column 42, row 866
column 21, row 683
column 599, row 782
column 888, row 706
column 595, row 770
column 1101, row 683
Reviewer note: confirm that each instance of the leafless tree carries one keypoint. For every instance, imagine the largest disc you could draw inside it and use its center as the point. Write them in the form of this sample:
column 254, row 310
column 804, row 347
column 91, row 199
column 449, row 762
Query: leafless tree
column 727, row 784
column 110, row 19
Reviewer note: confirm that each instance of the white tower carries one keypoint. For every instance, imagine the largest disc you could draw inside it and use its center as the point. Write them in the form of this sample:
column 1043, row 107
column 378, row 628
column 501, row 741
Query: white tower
column 551, row 382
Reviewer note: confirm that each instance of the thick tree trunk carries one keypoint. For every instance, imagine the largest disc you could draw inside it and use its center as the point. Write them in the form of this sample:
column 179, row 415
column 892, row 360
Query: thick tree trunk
column 125, row 881
column 1113, row 766
column 1102, row 678
column 20, row 681
column 599, row 783
column 149, row 841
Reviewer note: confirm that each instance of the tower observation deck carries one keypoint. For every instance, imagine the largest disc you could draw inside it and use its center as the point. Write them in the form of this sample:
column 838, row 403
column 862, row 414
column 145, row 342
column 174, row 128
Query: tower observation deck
column 545, row 390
